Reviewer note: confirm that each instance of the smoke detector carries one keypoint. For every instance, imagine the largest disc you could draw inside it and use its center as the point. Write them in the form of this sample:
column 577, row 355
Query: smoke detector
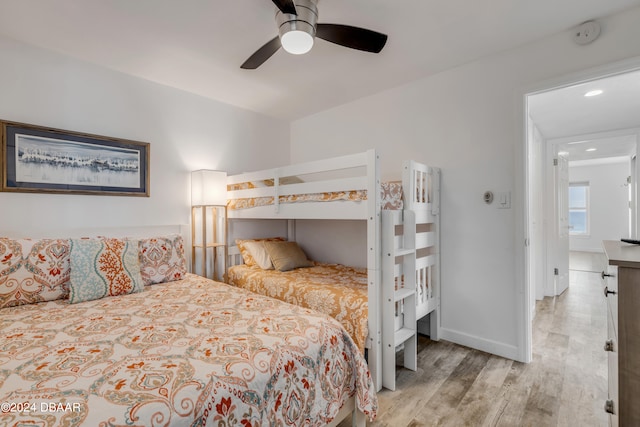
column 586, row 32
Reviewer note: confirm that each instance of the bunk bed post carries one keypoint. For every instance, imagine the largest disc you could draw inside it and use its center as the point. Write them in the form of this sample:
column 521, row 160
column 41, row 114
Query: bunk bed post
column 358, row 419
column 291, row 230
column 434, row 324
column 373, row 267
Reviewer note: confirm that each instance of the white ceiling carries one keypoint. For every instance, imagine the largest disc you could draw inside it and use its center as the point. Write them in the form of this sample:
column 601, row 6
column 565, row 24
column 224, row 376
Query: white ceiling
column 608, row 122
column 198, row 45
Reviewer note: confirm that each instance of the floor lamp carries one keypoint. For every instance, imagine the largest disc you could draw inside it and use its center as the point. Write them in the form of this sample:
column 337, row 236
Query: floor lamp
column 209, row 223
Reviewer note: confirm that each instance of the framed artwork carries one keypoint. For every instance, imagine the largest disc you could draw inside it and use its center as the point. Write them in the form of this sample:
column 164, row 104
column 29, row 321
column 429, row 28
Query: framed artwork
column 44, row 160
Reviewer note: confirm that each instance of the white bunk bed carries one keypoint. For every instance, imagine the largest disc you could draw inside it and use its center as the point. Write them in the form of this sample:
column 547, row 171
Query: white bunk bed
column 353, row 176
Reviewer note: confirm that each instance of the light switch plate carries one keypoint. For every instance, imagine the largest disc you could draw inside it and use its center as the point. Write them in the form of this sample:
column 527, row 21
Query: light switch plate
column 504, row 200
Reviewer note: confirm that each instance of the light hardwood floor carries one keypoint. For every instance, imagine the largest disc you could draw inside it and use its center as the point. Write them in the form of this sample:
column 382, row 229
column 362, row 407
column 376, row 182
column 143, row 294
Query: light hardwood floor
column 587, row 261
column 565, row 385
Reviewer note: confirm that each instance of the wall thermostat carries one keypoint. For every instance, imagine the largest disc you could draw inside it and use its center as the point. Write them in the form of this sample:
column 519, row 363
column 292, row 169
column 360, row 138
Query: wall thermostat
column 488, row 197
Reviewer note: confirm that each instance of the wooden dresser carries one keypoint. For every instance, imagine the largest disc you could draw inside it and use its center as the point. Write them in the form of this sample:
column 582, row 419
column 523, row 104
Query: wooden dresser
column 622, row 291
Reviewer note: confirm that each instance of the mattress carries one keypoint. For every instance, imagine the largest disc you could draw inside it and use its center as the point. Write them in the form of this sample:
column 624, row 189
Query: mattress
column 333, row 289
column 190, row 352
column 390, row 194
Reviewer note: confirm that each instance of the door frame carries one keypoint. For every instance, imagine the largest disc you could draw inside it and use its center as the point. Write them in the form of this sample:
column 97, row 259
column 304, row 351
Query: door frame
column 525, row 296
column 633, row 192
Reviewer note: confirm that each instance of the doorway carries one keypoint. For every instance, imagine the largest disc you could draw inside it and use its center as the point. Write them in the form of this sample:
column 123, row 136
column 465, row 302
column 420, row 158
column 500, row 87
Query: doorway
column 588, row 198
column 560, row 118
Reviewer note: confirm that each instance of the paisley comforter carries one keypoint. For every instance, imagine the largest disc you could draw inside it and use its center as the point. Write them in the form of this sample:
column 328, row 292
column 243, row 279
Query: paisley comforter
column 337, row 290
column 188, row 353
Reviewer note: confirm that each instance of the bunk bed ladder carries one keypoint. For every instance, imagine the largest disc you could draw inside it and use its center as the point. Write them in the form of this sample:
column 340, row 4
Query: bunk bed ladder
column 399, row 321
column 423, row 197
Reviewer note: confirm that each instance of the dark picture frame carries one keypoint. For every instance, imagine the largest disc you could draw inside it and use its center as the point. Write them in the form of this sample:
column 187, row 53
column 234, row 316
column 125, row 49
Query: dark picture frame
column 38, row 159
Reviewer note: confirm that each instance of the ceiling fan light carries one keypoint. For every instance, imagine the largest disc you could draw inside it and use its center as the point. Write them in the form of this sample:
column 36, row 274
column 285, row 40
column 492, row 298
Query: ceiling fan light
column 297, row 42
column 298, row 31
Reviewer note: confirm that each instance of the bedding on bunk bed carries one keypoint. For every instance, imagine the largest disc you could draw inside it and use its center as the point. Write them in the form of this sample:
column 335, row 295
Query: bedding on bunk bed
column 333, row 289
column 390, row 196
column 189, row 351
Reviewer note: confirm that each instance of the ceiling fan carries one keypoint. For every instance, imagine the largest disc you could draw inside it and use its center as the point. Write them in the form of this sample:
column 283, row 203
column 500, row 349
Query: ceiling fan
column 298, row 27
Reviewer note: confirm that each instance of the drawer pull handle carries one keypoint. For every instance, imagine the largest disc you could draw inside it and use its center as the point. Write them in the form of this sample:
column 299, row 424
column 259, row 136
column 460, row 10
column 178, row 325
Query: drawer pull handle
column 608, row 406
column 607, row 291
column 603, row 275
column 608, row 345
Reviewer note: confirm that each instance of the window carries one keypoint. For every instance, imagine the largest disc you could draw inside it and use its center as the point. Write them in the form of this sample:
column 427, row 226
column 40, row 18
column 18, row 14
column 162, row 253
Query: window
column 579, row 208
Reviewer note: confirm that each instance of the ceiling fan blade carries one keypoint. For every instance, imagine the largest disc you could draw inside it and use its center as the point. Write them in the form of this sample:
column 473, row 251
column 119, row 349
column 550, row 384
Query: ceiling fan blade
column 353, row 37
column 286, row 6
column 262, row 54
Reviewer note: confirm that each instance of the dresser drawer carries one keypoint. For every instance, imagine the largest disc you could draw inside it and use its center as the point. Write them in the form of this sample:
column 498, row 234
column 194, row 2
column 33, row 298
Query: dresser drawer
column 610, row 291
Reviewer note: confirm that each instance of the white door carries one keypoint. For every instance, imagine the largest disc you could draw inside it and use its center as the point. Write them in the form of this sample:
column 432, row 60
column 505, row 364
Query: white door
column 562, row 224
column 633, row 233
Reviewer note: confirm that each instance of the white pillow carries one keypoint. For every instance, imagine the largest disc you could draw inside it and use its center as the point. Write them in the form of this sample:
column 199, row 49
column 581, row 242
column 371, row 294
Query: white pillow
column 259, row 254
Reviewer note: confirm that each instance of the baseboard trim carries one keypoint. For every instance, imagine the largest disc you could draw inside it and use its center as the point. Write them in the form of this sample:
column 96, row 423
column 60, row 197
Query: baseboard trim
column 494, row 347
column 596, row 250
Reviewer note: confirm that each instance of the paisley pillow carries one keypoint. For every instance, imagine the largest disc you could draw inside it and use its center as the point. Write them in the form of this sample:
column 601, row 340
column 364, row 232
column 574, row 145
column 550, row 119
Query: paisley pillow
column 104, row 267
column 33, row 270
column 162, row 259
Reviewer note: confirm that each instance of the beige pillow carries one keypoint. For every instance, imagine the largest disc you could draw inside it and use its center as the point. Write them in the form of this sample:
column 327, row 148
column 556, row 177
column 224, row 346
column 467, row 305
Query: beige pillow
column 259, row 254
column 244, row 251
column 286, row 255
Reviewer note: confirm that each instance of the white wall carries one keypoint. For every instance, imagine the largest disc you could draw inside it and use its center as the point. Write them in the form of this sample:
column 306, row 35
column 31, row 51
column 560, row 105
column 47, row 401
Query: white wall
column 470, row 122
column 186, row 132
column 608, row 204
column 323, row 240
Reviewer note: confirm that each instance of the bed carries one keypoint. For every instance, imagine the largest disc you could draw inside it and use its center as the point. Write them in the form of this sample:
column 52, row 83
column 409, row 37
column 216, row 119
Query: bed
column 337, row 290
column 349, row 187
column 162, row 347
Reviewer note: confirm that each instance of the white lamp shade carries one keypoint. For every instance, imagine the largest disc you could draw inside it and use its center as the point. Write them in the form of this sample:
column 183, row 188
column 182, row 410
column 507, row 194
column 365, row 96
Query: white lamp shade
column 208, row 188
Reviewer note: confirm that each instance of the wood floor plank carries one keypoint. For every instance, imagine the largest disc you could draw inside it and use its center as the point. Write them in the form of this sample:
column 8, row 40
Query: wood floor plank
column 479, row 403
column 514, row 395
column 442, row 408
